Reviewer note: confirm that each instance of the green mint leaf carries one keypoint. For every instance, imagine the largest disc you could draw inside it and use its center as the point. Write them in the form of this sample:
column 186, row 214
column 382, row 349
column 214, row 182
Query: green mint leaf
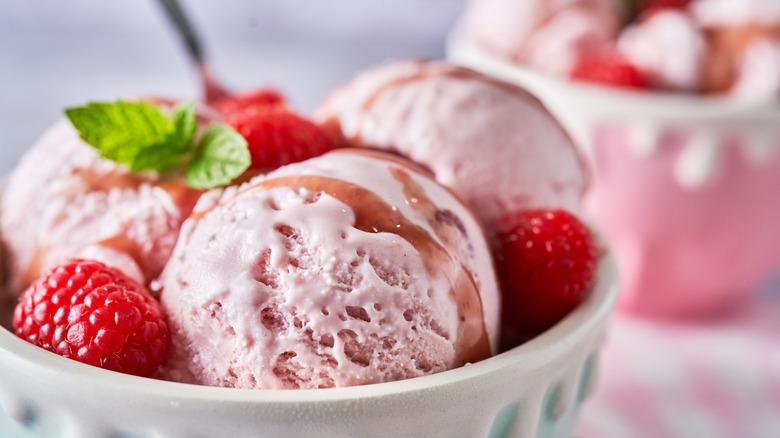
column 221, row 156
column 184, row 122
column 121, row 129
column 160, row 157
column 170, row 153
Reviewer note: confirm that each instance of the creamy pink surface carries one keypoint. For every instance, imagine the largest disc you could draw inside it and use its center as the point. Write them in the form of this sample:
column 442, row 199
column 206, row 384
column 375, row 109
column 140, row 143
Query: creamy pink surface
column 726, row 47
column 759, row 70
column 668, row 47
column 63, row 200
column 492, row 143
column 685, row 250
column 343, row 270
column 745, row 45
column 730, row 13
column 542, row 34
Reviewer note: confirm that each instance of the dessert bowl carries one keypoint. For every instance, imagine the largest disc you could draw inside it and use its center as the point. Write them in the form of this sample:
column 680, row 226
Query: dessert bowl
column 533, row 390
column 683, row 189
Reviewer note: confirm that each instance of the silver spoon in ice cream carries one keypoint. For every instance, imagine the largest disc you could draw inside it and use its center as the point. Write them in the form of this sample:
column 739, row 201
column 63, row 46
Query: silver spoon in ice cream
column 212, row 89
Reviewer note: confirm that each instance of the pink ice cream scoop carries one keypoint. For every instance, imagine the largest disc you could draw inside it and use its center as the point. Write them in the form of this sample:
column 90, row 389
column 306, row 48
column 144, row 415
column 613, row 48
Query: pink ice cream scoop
column 492, row 143
column 63, row 200
column 669, row 48
column 342, row 270
column 546, row 35
column 717, row 46
column 744, row 53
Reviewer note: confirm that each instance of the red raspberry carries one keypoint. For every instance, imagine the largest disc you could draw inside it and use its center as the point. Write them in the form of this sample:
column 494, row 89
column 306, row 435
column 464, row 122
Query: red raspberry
column 546, row 261
column 248, row 103
column 87, row 311
column 278, row 137
column 610, row 69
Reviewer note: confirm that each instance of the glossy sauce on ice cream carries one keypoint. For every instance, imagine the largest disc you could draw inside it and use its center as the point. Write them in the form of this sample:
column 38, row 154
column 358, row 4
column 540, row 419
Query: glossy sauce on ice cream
column 374, row 215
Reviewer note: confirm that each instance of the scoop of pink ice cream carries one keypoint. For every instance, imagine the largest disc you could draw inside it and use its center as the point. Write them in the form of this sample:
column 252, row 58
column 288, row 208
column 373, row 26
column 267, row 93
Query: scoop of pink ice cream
column 546, row 35
column 735, row 13
column 63, row 200
column 345, row 269
column 492, row 143
column 744, row 46
column 668, row 47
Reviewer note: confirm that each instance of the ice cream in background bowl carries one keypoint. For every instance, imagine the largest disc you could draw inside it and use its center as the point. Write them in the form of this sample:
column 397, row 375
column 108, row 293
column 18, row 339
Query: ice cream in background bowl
column 684, row 175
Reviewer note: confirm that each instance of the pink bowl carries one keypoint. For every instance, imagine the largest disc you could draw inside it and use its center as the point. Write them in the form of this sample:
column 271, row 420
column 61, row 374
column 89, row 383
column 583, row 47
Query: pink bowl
column 686, row 188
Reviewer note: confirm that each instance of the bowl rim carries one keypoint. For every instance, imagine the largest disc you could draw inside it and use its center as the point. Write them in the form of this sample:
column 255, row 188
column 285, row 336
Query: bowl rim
column 585, row 319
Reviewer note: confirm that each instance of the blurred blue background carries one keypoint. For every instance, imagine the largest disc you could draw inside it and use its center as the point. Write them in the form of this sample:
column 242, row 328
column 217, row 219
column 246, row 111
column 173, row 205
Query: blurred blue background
column 55, row 54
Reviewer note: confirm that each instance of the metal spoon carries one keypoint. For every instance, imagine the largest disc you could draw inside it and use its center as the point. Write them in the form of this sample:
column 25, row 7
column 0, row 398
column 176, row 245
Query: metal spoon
column 212, row 89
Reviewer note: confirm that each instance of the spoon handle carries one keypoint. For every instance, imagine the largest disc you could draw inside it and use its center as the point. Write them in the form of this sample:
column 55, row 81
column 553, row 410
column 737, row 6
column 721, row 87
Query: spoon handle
column 211, row 88
column 185, row 29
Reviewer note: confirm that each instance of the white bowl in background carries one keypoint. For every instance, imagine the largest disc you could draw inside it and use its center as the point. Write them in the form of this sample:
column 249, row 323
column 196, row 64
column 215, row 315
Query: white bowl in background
column 685, row 187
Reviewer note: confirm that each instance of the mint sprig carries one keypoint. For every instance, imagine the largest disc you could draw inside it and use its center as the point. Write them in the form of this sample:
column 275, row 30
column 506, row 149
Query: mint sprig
column 142, row 137
column 221, row 156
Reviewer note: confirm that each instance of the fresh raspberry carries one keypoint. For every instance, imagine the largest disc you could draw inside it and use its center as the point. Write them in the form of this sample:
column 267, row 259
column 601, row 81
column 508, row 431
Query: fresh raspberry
column 546, row 261
column 87, row 311
column 249, row 103
column 279, row 137
column 610, row 69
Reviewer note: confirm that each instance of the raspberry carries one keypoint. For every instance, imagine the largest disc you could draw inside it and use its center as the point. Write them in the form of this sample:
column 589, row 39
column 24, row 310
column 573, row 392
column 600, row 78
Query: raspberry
column 279, row 137
column 87, row 311
column 248, row 103
column 610, row 69
column 546, row 261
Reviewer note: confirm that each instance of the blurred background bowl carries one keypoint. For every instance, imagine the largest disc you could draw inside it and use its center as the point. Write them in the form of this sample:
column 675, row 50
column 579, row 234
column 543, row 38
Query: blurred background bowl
column 684, row 186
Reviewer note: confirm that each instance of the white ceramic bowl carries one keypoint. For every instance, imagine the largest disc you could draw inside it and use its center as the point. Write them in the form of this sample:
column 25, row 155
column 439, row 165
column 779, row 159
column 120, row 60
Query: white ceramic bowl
column 533, row 390
column 684, row 189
